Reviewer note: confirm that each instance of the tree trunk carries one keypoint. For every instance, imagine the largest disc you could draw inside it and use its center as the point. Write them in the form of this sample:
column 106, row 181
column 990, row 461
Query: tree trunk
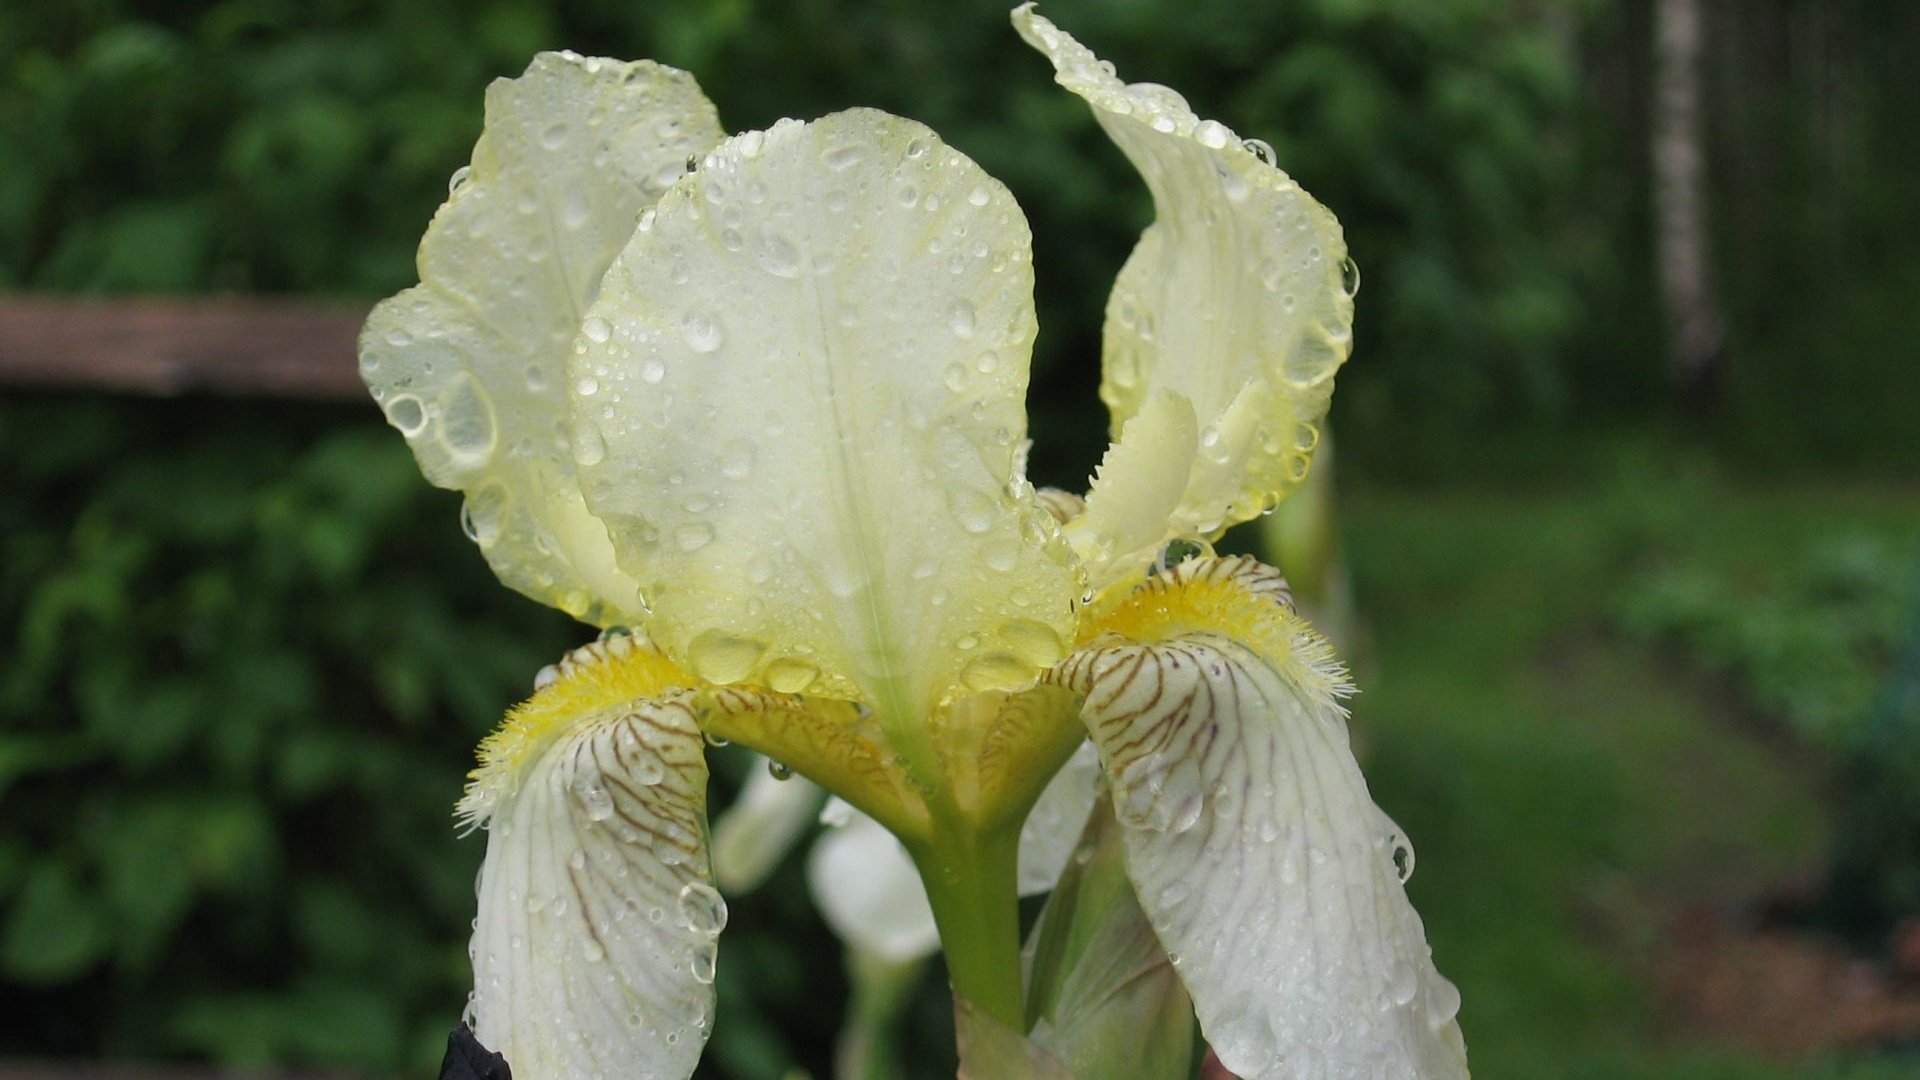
column 1694, row 329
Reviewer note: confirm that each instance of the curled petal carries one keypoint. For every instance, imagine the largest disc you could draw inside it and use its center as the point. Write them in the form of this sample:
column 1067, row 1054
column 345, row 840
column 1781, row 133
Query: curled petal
column 1271, row 877
column 470, row 364
column 594, row 949
column 800, row 394
column 1137, row 489
column 1238, row 296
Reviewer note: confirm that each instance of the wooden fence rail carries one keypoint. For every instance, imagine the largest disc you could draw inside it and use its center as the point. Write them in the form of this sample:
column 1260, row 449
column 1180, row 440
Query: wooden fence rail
column 228, row 346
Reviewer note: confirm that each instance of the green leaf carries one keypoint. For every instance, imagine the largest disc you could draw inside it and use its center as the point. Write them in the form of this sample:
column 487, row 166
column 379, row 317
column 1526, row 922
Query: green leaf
column 55, row 930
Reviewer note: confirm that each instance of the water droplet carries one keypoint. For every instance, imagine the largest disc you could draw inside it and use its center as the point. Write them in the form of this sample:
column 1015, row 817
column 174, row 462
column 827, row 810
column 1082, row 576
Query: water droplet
column 1443, row 1002
column 459, row 178
column 586, row 386
column 693, row 536
column 1349, row 277
column 778, row 257
column 1001, row 555
column 555, row 135
column 979, row 196
column 995, row 671
column 645, row 221
column 843, row 157
column 405, row 412
column 574, row 210
column 1402, row 853
column 1261, row 149
column 1212, row 134
column 597, row 329
column 974, row 509
column 467, row 427
column 647, row 769
column 907, row 194
column 590, row 447
column 791, row 675
column 721, row 657
column 1402, row 982
column 736, row 459
column 960, row 318
column 701, row 331
column 701, row 967
column 591, row 793
column 593, row 951
column 652, row 372
column 1035, row 642
column 702, row 910
column 779, row 770
column 480, row 514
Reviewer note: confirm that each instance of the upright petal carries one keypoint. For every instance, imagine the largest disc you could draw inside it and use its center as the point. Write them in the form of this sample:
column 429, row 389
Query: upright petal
column 470, row 364
column 797, row 403
column 1267, row 870
column 1238, row 296
column 594, row 949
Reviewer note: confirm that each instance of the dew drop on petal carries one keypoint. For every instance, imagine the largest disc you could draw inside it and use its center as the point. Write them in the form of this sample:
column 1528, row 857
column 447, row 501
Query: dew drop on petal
column 702, row 910
column 701, row 331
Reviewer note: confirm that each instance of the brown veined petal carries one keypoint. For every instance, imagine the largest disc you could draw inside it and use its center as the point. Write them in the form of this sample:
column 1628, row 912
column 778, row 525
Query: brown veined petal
column 470, row 364
column 1239, row 296
column 1253, row 844
column 803, row 386
column 594, row 949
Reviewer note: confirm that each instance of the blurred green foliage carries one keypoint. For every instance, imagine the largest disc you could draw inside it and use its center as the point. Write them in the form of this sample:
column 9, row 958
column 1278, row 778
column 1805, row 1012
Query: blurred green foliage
column 1487, row 158
column 247, row 676
column 267, row 145
column 1810, row 643
column 1821, row 638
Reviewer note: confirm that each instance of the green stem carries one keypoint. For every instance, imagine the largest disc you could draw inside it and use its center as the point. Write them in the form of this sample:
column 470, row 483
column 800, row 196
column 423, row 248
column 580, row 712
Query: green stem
column 972, row 883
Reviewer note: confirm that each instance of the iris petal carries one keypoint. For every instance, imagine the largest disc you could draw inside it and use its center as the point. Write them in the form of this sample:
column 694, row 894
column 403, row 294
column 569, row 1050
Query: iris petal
column 1253, row 844
column 469, row 364
column 1238, row 296
column 800, row 394
column 596, row 940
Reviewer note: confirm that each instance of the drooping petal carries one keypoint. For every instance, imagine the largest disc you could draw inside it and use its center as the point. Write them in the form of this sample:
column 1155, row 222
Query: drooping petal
column 1253, row 845
column 798, row 400
column 470, row 364
column 768, row 818
column 1238, row 297
column 596, row 940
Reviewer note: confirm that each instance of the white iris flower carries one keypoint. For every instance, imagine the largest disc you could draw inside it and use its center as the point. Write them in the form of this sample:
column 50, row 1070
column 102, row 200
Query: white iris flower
column 761, row 400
